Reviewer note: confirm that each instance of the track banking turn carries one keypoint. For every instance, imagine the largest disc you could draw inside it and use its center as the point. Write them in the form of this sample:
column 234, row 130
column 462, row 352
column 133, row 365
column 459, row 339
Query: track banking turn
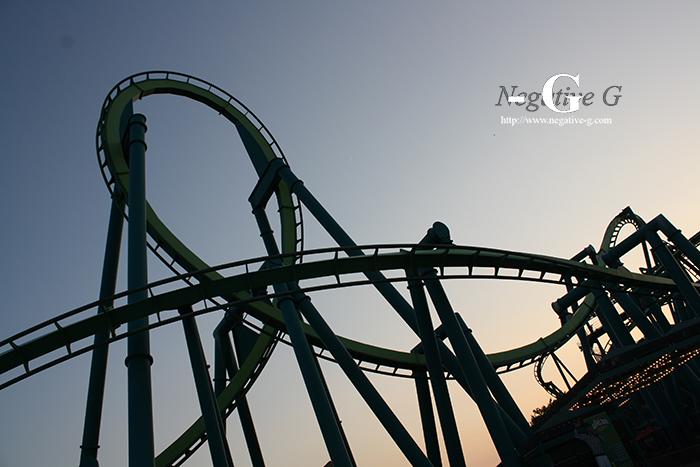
column 244, row 284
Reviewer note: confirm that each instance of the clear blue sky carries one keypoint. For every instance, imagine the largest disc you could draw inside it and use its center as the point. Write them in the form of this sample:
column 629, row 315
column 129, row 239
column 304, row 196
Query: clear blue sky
column 387, row 111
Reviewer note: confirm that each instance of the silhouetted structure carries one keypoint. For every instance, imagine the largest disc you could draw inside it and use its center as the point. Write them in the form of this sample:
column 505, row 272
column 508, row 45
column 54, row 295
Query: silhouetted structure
column 639, row 332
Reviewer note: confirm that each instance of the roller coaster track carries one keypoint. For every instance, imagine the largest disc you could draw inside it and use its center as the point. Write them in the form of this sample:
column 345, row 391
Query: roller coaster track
column 626, row 217
column 209, row 289
column 506, row 265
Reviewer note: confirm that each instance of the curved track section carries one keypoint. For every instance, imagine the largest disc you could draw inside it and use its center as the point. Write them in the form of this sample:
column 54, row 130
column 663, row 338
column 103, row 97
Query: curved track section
column 245, row 284
column 584, row 312
column 507, row 265
column 455, row 263
column 262, row 148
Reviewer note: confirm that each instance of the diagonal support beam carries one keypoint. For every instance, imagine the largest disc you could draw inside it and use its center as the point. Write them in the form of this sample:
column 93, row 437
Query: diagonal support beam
column 443, row 402
column 216, row 436
column 368, row 392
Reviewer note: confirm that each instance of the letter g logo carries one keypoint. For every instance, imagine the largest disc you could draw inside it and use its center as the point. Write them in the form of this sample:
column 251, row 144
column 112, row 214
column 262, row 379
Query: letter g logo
column 548, row 98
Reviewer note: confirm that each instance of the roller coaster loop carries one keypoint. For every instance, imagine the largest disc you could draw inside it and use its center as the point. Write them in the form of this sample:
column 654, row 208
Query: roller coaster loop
column 265, row 300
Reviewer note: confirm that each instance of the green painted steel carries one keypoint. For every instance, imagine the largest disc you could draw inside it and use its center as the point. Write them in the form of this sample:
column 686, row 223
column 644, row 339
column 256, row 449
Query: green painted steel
column 238, row 385
column 139, row 360
column 98, row 366
column 216, row 433
column 443, row 402
column 211, row 289
column 239, row 284
column 115, row 172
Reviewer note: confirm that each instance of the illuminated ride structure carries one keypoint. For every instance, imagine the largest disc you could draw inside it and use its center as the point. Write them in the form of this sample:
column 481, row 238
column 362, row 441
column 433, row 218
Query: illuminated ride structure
column 634, row 329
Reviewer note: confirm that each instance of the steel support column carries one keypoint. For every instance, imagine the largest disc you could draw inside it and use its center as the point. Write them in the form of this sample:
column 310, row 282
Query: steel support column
column 480, row 391
column 392, row 296
column 138, row 360
column 454, row 368
column 678, row 309
column 364, row 387
column 496, row 386
column 675, row 236
column 308, row 365
column 679, row 276
column 636, row 314
column 586, row 349
column 443, row 401
column 611, row 320
column 314, row 386
column 656, row 312
column 98, row 368
column 427, row 417
column 336, row 417
column 216, row 437
column 227, row 363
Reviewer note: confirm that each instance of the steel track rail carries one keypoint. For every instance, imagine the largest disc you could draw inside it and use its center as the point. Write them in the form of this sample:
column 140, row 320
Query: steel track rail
column 454, row 263
column 208, row 286
column 262, row 149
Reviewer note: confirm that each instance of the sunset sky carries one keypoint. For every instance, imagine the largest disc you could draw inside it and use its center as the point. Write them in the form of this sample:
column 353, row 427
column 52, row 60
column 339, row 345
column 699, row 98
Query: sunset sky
column 388, row 112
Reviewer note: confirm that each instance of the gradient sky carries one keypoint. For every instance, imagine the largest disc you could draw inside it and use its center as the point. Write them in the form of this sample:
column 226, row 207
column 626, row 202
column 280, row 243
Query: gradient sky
column 387, row 111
